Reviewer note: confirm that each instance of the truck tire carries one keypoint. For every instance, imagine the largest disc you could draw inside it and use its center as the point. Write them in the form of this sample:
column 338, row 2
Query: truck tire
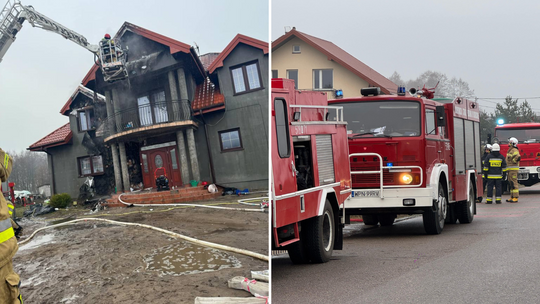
column 466, row 208
column 387, row 219
column 434, row 219
column 320, row 236
column 298, row 252
column 370, row 219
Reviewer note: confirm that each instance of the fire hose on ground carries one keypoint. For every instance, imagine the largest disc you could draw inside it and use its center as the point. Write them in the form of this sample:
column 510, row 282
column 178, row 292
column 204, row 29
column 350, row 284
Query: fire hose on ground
column 173, row 234
column 203, row 206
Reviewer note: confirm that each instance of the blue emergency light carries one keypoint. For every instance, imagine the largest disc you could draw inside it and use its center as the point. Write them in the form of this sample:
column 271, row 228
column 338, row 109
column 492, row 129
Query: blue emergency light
column 500, row 121
column 389, row 164
column 338, row 93
column 401, row 91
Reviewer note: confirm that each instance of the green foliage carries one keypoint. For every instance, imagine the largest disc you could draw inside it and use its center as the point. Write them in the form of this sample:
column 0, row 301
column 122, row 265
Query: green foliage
column 61, row 200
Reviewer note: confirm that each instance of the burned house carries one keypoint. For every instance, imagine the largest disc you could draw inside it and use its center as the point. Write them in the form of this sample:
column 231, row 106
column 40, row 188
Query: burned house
column 173, row 116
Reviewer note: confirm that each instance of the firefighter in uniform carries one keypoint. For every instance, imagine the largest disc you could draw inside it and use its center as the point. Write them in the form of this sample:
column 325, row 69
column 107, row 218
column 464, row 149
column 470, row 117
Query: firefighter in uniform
column 10, row 281
column 512, row 159
column 487, row 151
column 493, row 171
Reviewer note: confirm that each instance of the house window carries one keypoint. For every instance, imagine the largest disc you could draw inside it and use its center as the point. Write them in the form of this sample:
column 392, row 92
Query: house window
column 296, row 49
column 323, row 79
column 246, row 78
column 274, row 73
column 293, row 74
column 86, row 120
column 153, row 108
column 230, row 140
column 90, row 165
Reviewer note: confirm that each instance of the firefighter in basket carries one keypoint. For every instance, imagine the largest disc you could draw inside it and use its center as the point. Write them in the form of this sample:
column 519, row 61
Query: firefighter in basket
column 495, row 164
column 512, row 159
column 9, row 290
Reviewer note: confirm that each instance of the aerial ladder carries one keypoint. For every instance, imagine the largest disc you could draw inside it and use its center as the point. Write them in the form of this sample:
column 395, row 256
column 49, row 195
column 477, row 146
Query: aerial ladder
column 108, row 53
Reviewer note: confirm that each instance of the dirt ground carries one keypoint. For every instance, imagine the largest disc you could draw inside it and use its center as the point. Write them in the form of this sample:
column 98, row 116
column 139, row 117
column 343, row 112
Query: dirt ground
column 103, row 263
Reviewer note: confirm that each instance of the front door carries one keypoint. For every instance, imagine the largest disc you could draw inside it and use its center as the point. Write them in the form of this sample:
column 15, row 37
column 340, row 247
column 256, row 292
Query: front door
column 161, row 161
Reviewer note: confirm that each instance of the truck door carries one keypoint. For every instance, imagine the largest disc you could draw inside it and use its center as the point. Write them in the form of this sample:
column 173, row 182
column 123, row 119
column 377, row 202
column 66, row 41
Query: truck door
column 432, row 139
column 286, row 210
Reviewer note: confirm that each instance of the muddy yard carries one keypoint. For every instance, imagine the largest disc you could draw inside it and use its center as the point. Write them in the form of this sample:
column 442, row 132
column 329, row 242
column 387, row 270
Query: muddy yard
column 95, row 262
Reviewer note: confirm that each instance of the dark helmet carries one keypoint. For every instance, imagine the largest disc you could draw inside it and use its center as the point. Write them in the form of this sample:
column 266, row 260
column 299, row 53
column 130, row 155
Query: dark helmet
column 107, row 36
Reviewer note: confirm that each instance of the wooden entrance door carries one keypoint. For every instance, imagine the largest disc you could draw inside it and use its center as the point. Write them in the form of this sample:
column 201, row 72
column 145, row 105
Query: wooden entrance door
column 161, row 161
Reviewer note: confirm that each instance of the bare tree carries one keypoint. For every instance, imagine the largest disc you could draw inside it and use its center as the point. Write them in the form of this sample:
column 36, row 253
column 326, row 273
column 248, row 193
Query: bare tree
column 30, row 170
column 449, row 88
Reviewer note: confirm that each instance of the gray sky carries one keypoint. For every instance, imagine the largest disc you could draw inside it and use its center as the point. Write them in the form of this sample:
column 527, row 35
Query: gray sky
column 491, row 44
column 41, row 69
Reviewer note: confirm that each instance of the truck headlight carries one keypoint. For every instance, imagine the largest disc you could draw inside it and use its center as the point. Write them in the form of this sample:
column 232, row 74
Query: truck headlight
column 537, row 169
column 406, row 178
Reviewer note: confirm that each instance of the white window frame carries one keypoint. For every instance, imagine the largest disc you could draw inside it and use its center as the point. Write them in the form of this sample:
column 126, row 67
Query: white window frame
column 299, row 51
column 318, row 87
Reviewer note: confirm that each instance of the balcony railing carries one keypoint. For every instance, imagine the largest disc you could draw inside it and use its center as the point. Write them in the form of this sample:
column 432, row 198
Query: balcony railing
column 151, row 114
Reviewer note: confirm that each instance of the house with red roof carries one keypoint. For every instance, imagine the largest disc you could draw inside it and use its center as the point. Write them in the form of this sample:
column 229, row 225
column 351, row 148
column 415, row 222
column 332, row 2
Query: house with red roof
column 179, row 115
column 318, row 64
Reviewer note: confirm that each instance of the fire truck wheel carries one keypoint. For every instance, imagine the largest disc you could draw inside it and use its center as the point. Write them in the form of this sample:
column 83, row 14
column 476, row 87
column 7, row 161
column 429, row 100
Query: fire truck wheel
column 370, row 219
column 466, row 213
column 435, row 217
column 321, row 235
column 387, row 219
column 297, row 252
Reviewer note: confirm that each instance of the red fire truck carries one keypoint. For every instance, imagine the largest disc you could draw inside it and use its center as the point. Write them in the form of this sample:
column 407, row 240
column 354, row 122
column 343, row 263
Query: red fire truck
column 413, row 155
column 310, row 173
column 528, row 136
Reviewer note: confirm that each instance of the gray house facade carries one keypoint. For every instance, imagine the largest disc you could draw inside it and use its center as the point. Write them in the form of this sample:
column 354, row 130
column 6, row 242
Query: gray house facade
column 162, row 121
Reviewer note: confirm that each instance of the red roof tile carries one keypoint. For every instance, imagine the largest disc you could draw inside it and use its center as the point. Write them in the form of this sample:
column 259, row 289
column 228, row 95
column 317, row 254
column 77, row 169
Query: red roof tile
column 58, row 137
column 207, row 59
column 218, row 62
column 335, row 53
column 207, row 95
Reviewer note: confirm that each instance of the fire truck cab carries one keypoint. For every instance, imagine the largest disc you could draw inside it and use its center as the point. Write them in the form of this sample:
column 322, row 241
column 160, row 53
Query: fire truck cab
column 310, row 173
column 528, row 136
column 413, row 155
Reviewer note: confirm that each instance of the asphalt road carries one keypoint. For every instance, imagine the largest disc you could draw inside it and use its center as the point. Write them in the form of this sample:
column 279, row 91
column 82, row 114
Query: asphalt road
column 494, row 259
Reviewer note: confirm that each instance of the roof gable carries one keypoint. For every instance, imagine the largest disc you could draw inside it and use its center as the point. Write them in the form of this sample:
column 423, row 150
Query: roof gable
column 84, row 91
column 335, row 53
column 175, row 46
column 218, row 62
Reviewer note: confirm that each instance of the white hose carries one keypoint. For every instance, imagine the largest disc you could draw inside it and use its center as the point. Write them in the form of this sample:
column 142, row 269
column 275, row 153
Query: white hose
column 190, row 205
column 174, row 234
column 260, row 201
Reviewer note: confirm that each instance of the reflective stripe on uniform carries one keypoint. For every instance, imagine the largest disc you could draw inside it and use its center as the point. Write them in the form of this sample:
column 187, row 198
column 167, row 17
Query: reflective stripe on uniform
column 10, row 208
column 514, row 191
column 512, row 168
column 6, row 230
column 494, row 176
column 6, row 160
column 20, row 299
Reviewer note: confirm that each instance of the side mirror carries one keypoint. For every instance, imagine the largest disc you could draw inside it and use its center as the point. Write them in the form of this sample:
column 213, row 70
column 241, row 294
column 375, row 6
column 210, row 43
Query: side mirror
column 441, row 117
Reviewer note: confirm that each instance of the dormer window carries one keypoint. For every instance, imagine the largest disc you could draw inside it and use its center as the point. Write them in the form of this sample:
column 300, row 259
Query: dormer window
column 86, row 119
column 296, row 49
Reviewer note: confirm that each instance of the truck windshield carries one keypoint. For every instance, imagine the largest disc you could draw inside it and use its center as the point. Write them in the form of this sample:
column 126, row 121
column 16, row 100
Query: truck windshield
column 381, row 118
column 522, row 135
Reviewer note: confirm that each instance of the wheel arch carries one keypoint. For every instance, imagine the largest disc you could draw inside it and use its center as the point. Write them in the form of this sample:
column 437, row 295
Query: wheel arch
column 439, row 175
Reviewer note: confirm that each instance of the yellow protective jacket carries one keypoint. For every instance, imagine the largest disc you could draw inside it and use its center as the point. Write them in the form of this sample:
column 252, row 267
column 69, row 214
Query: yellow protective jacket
column 512, row 159
column 8, row 242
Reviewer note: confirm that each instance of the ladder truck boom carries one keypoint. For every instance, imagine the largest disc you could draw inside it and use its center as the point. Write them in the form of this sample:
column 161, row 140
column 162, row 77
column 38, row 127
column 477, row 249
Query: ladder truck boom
column 13, row 16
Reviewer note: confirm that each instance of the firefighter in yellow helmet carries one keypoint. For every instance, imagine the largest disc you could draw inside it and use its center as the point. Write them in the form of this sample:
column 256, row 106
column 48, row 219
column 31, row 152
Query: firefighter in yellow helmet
column 9, row 291
column 512, row 159
column 494, row 164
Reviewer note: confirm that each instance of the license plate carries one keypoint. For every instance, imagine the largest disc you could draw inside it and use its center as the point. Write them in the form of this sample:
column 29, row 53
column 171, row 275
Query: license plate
column 367, row 193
